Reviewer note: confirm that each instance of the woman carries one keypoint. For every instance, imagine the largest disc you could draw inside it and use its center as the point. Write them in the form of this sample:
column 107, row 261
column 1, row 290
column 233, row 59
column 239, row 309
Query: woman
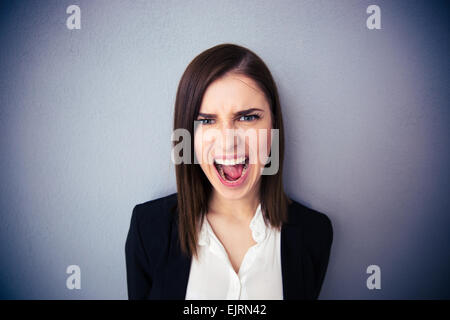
column 230, row 231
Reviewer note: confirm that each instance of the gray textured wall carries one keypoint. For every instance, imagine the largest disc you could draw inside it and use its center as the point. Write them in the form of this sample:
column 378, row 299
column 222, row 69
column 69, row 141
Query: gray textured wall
column 86, row 115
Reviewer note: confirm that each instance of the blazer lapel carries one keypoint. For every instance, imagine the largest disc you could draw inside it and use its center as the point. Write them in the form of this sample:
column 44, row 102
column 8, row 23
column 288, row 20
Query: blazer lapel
column 177, row 269
column 291, row 266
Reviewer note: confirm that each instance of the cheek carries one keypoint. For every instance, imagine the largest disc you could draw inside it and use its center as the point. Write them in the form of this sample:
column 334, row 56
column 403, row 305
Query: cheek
column 269, row 140
column 201, row 148
column 198, row 145
column 263, row 146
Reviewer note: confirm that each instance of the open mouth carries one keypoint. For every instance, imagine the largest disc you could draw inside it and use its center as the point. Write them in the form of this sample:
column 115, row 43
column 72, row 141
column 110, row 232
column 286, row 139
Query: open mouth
column 232, row 171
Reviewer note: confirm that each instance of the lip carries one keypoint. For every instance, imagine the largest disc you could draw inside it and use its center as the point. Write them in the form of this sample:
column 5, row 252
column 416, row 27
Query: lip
column 237, row 183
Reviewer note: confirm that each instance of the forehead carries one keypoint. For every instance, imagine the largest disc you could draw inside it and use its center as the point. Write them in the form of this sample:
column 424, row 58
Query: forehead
column 232, row 93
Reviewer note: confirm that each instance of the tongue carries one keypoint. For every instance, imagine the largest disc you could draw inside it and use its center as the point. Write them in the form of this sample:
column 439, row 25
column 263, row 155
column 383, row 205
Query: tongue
column 233, row 172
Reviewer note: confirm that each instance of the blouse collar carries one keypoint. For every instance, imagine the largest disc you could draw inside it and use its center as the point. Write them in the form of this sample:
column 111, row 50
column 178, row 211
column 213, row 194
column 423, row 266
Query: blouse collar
column 257, row 226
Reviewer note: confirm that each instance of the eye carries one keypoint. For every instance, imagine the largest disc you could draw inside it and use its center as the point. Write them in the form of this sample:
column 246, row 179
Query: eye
column 205, row 121
column 250, row 117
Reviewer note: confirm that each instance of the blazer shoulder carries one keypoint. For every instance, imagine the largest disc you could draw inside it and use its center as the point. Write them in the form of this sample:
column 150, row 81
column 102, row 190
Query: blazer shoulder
column 316, row 238
column 157, row 211
column 313, row 222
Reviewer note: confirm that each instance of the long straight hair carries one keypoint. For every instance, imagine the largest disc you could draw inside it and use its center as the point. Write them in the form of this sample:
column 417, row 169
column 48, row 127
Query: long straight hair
column 193, row 187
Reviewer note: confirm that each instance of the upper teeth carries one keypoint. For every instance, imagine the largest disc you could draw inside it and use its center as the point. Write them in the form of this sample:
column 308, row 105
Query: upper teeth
column 230, row 162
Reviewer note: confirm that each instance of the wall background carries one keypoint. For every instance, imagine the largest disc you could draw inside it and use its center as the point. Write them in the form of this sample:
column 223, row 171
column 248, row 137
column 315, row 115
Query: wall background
column 86, row 115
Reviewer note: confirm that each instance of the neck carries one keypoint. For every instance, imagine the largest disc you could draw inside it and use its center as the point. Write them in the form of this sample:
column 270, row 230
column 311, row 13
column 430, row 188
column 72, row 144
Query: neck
column 242, row 209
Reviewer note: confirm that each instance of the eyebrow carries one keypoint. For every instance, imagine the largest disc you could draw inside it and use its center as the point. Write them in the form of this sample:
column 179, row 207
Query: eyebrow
column 239, row 113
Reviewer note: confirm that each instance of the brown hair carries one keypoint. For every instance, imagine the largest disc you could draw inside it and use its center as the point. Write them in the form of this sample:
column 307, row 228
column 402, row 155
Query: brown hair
column 194, row 188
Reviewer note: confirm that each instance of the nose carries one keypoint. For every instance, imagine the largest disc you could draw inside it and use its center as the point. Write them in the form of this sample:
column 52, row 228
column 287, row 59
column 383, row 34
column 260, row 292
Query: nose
column 229, row 139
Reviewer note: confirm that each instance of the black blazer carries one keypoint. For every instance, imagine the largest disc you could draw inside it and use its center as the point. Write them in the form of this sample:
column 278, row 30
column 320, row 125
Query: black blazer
column 157, row 269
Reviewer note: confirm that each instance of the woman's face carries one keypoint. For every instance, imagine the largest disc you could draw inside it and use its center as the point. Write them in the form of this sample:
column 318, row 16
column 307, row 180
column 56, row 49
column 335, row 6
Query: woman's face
column 232, row 133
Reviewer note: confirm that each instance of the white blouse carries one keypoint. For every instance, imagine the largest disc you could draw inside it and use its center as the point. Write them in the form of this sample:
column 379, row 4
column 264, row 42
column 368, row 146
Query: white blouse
column 212, row 276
